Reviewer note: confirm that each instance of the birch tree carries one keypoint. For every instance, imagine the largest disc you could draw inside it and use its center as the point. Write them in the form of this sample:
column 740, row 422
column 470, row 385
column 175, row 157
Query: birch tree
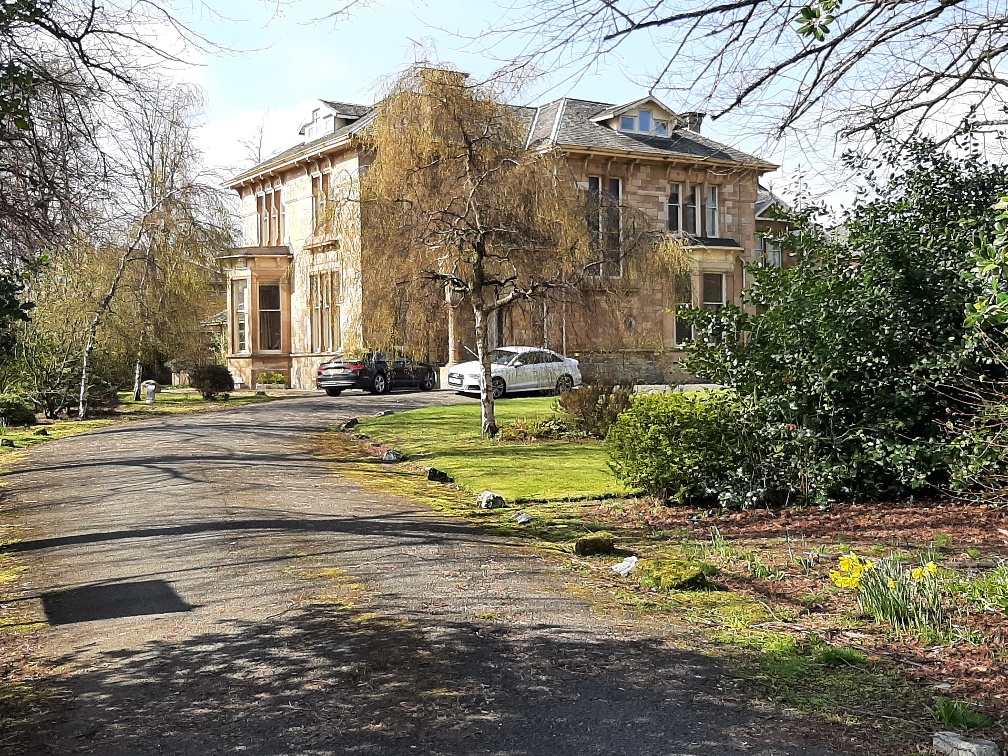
column 176, row 224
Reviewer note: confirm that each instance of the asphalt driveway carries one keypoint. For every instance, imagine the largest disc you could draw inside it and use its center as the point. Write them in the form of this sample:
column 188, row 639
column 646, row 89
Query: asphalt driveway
column 212, row 588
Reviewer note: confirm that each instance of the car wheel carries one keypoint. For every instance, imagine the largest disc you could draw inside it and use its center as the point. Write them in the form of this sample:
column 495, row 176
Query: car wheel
column 333, row 392
column 429, row 381
column 380, row 384
column 498, row 386
column 564, row 383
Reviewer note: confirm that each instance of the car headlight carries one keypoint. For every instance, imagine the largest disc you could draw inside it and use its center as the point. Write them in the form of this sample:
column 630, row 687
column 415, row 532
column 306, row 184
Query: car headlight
column 473, row 377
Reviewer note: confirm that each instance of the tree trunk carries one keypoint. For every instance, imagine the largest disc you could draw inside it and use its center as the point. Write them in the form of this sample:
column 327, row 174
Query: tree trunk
column 488, row 420
column 89, row 346
column 137, row 375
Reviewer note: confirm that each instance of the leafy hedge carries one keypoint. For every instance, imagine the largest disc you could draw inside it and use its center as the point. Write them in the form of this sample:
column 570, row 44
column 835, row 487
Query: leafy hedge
column 14, row 410
column 211, row 380
column 591, row 409
column 682, row 447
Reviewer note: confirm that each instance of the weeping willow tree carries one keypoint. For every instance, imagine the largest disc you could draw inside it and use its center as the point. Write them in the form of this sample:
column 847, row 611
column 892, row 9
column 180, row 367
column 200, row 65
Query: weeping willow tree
column 455, row 211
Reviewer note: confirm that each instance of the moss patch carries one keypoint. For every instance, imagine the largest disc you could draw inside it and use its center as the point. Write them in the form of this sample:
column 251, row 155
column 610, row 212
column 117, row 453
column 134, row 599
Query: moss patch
column 672, row 575
column 595, row 544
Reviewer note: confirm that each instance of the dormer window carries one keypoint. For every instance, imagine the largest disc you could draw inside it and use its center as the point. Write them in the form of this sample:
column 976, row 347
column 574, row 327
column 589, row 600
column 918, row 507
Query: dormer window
column 644, row 120
column 627, row 123
column 661, row 128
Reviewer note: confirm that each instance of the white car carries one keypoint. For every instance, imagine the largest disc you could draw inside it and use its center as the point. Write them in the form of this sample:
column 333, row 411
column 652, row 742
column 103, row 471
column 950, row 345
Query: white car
column 518, row 368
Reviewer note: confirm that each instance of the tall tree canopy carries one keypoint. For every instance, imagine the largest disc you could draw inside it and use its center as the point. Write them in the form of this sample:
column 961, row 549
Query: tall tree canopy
column 897, row 67
column 855, row 358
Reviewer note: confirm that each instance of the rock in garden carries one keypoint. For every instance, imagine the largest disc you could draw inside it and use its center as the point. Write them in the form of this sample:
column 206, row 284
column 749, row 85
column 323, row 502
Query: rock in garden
column 41, row 432
column 439, row 476
column 349, row 424
column 625, row 567
column 385, row 413
column 490, row 500
column 672, row 575
column 957, row 745
column 6, row 442
column 260, row 393
column 523, row 518
column 594, row 544
column 393, row 456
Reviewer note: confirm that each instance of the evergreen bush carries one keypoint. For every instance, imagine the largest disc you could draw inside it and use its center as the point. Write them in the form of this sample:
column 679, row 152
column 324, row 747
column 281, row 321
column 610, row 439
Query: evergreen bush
column 211, row 380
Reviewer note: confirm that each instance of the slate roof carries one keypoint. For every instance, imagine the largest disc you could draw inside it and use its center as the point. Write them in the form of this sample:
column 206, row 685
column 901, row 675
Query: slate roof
column 567, row 122
column 765, row 199
column 347, row 108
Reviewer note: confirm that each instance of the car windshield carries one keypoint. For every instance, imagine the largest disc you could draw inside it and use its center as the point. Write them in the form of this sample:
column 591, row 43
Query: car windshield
column 502, row 356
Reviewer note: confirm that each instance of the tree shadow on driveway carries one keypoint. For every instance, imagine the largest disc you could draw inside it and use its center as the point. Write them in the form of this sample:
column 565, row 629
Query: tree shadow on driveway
column 326, row 679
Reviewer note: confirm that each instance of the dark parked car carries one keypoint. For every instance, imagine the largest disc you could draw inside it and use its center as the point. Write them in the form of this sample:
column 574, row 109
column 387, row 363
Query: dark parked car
column 376, row 372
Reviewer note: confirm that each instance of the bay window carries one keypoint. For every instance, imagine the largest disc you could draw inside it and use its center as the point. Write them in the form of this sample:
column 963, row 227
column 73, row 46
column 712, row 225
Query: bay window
column 270, row 322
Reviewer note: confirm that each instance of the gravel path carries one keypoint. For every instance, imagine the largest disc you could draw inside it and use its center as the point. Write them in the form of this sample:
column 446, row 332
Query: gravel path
column 213, row 588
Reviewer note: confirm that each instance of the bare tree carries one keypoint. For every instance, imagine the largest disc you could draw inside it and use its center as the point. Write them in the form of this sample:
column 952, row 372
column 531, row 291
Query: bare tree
column 454, row 207
column 871, row 68
column 170, row 223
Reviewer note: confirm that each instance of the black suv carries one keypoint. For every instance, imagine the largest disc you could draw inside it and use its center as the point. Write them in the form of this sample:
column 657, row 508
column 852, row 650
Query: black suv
column 376, row 372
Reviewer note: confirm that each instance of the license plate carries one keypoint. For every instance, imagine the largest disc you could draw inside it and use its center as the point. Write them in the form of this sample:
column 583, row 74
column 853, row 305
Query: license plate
column 334, row 371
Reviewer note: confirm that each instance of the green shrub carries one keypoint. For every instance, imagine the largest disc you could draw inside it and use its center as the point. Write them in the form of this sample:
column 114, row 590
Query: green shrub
column 681, row 447
column 595, row 544
column 211, row 380
column 591, row 409
column 271, row 378
column 540, row 429
column 14, row 410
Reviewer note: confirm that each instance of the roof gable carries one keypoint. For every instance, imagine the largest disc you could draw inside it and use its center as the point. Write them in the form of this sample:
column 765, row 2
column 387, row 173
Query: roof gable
column 614, row 111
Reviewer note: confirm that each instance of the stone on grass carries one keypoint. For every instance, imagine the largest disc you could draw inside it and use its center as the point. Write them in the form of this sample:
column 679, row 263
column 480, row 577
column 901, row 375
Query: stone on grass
column 260, row 393
column 625, row 567
column 385, row 413
column 393, row 456
column 6, row 442
column 439, row 476
column 41, row 432
column 349, row 424
column 490, row 500
column 523, row 518
column 595, row 544
column 957, row 745
column 672, row 575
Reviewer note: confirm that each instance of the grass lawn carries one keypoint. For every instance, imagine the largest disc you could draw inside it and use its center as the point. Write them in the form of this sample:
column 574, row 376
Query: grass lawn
column 448, row 438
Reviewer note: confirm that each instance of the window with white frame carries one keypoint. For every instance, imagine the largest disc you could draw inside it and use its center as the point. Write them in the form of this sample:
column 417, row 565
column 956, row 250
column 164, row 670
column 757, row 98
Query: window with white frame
column 606, row 223
column 271, row 214
column 691, row 221
column 326, row 296
column 711, row 212
column 661, row 128
column 675, row 208
column 270, row 321
column 239, row 308
column 770, row 252
column 628, row 123
column 713, row 290
column 644, row 121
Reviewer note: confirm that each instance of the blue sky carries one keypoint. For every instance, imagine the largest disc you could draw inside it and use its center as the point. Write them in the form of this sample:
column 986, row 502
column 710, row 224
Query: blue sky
column 285, row 57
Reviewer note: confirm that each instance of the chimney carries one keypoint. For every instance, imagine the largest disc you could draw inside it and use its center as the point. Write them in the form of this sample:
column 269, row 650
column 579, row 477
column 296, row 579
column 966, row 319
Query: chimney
column 693, row 121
